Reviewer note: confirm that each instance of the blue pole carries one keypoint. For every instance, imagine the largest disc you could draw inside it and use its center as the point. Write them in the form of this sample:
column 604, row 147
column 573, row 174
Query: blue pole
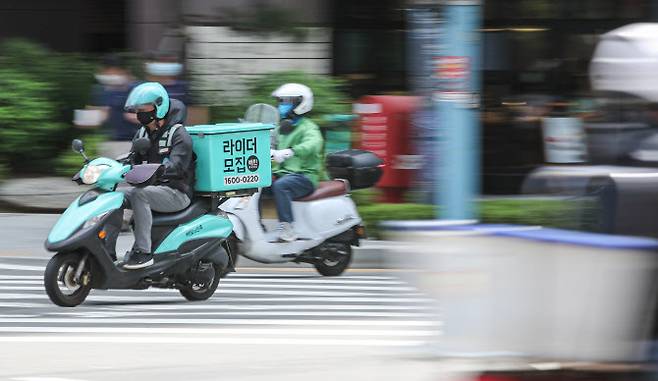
column 457, row 104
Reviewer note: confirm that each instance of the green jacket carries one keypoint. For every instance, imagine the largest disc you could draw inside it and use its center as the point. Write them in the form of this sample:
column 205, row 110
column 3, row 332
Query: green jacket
column 307, row 143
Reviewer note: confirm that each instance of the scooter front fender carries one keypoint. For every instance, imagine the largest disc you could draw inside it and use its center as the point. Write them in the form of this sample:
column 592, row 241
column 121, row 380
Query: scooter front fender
column 76, row 215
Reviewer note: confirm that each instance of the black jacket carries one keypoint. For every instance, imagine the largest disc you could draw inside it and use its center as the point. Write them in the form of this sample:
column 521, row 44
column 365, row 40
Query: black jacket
column 179, row 162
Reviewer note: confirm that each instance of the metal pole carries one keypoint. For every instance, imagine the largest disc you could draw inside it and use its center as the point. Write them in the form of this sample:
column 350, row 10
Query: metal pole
column 457, row 104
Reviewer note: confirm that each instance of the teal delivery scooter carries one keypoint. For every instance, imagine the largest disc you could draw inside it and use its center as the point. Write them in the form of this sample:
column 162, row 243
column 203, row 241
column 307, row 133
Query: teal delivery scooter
column 190, row 246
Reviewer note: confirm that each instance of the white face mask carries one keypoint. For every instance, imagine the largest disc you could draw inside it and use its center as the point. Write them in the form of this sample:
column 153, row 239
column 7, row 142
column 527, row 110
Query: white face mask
column 111, row 79
column 164, row 69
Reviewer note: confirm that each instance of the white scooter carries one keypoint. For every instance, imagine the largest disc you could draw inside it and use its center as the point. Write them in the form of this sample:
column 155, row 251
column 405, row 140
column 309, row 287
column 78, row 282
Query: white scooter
column 326, row 221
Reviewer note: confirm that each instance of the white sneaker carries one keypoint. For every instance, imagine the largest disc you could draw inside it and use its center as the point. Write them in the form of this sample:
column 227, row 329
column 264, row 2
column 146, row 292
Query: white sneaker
column 286, row 232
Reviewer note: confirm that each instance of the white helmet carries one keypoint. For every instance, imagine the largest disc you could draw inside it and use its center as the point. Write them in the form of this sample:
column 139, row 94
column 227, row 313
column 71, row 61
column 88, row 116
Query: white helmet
column 299, row 95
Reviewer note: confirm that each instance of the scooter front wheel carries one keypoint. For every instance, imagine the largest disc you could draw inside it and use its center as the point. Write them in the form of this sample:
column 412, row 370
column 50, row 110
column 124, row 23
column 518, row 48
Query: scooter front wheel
column 201, row 291
column 60, row 281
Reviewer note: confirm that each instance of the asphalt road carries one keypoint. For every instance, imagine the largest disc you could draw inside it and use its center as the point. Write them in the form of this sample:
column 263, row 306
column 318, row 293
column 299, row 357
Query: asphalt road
column 264, row 323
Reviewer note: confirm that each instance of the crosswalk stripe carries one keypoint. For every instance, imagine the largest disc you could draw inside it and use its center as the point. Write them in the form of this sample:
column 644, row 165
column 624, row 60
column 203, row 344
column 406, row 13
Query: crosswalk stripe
column 186, row 308
column 307, row 276
column 4, row 277
column 300, row 322
column 151, row 298
column 11, row 266
column 249, row 308
column 22, row 305
column 44, row 379
column 291, row 313
column 220, row 331
column 38, row 279
column 222, row 306
column 224, row 285
column 221, row 292
column 6, row 266
column 151, row 339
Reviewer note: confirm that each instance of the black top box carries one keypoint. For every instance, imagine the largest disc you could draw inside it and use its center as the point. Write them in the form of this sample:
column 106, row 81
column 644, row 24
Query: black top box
column 361, row 168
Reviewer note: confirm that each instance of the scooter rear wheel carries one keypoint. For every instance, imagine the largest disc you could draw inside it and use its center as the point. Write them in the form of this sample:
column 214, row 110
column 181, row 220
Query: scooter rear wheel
column 336, row 265
column 198, row 292
column 60, row 283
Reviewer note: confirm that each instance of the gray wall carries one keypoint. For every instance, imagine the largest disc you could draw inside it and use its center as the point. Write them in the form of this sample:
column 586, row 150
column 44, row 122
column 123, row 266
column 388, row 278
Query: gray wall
column 149, row 20
column 309, row 12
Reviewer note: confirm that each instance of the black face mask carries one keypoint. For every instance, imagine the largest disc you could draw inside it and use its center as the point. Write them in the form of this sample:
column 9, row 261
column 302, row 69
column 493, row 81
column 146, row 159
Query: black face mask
column 146, row 117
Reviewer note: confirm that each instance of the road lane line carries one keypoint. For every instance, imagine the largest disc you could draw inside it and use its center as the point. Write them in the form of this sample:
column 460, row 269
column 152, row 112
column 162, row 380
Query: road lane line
column 221, row 292
column 213, row 340
column 6, row 266
column 146, row 299
column 221, row 331
column 261, row 307
column 223, row 285
column 300, row 322
column 292, row 313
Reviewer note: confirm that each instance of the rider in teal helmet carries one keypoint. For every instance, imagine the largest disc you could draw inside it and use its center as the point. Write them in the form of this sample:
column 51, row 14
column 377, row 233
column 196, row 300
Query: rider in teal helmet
column 162, row 122
column 149, row 93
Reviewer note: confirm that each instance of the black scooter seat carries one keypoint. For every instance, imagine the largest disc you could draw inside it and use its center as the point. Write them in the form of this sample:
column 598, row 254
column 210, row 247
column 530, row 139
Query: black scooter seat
column 196, row 209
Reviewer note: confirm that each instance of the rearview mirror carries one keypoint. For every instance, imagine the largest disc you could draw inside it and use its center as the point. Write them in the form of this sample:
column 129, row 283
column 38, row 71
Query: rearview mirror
column 77, row 146
column 141, row 145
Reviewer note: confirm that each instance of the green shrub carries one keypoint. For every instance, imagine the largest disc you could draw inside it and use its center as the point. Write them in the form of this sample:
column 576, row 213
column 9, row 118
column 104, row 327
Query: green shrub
column 40, row 90
column 27, row 127
column 69, row 162
column 226, row 113
column 70, row 75
column 373, row 214
column 363, row 197
column 558, row 213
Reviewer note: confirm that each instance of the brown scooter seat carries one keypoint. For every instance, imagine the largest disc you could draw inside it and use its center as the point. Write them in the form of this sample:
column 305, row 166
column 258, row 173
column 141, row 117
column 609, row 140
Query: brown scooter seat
column 327, row 189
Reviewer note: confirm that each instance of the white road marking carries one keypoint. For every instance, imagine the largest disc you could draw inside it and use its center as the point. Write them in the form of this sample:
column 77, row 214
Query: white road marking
column 44, row 379
column 181, row 313
column 21, row 277
column 23, row 305
column 211, row 340
column 306, row 276
column 224, row 285
column 220, row 331
column 7, row 266
column 296, row 322
column 266, row 307
column 218, row 299
column 236, row 292
column 338, row 280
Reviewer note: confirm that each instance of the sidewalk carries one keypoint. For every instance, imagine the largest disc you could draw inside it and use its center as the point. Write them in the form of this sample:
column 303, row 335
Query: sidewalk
column 39, row 195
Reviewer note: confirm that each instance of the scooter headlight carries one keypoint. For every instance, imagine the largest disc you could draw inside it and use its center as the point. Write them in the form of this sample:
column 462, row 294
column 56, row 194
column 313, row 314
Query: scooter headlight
column 93, row 172
column 94, row 220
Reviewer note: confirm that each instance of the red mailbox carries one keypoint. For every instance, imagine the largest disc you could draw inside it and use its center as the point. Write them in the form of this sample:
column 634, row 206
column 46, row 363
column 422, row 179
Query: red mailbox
column 384, row 128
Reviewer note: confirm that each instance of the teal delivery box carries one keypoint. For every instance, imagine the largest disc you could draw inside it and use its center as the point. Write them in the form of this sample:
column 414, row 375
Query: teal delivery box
column 232, row 156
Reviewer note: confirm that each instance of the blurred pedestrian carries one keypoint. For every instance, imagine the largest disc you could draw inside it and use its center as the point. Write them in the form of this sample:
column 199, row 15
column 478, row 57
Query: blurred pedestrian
column 167, row 69
column 115, row 81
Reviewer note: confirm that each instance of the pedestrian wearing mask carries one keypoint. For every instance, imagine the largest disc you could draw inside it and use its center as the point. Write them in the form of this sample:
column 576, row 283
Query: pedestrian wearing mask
column 105, row 111
column 166, row 69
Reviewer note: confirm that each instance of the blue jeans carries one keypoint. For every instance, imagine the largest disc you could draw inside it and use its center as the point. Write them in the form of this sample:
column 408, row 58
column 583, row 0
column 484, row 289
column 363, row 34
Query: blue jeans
column 288, row 188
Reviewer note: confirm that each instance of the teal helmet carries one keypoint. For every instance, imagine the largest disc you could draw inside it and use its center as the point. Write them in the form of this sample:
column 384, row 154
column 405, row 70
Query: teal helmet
column 149, row 93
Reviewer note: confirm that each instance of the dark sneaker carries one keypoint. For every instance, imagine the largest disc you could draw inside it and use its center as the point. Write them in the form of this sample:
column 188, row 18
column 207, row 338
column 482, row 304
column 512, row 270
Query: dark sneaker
column 137, row 260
